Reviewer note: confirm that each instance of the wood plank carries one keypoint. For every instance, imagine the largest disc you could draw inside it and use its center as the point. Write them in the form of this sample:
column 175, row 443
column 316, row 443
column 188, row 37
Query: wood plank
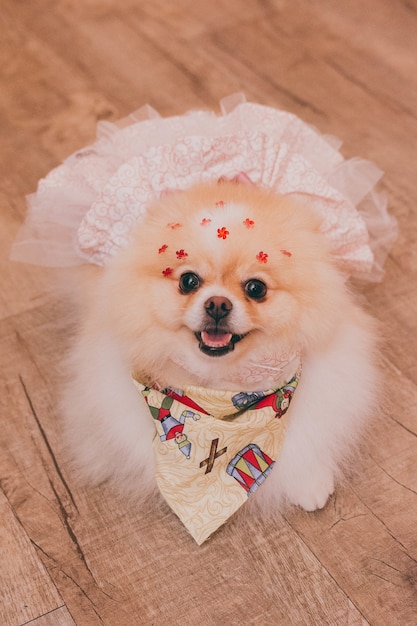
column 58, row 617
column 26, row 590
column 32, row 479
column 378, row 509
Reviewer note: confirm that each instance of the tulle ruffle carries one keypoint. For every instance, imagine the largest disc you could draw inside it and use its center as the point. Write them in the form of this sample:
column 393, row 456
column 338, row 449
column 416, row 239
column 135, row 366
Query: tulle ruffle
column 83, row 211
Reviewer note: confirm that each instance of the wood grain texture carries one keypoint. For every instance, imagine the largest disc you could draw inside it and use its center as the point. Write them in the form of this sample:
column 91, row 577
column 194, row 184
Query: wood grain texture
column 72, row 554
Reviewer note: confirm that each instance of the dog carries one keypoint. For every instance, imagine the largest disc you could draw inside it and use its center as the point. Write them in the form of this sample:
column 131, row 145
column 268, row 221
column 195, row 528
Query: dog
column 222, row 286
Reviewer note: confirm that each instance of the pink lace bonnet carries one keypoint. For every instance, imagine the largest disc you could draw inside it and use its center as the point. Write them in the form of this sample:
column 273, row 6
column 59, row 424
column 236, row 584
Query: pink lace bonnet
column 84, row 209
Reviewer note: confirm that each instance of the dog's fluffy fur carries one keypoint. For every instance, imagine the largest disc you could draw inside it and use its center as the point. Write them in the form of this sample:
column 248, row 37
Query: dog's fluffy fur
column 139, row 321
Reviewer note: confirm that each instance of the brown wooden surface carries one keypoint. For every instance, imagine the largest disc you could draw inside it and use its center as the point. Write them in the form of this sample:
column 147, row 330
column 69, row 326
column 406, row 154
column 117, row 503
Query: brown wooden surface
column 70, row 555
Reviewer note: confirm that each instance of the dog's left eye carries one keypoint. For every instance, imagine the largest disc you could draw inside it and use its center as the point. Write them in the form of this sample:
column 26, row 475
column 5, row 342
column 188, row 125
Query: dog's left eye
column 189, row 282
column 255, row 289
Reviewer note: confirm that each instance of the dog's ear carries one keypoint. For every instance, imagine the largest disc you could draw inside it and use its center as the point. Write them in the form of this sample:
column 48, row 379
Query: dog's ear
column 241, row 178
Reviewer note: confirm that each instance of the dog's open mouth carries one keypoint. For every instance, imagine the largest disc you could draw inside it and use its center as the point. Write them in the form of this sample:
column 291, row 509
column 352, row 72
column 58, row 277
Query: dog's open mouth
column 216, row 342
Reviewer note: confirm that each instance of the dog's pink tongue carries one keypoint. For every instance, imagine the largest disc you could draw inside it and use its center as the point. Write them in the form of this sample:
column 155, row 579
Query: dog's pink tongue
column 215, row 340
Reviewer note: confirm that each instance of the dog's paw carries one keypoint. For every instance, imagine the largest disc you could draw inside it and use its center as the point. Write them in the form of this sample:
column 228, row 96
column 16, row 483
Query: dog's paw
column 312, row 492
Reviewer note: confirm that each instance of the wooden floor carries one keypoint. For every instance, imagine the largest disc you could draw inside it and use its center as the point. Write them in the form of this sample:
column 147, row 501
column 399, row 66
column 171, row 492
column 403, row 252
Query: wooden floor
column 70, row 555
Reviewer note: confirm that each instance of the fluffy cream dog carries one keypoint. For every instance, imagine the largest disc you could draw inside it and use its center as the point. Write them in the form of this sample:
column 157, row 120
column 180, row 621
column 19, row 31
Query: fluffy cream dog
column 218, row 287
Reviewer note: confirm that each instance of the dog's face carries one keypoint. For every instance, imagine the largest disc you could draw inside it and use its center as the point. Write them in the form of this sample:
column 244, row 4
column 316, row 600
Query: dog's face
column 217, row 276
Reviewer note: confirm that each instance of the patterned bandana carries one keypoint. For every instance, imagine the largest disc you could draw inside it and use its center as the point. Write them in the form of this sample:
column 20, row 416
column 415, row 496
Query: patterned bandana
column 213, row 448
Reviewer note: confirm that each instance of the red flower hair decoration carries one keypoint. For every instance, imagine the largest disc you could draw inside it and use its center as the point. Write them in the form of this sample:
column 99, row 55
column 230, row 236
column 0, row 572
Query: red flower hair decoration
column 181, row 254
column 262, row 257
column 222, row 233
column 205, row 221
column 167, row 271
column 162, row 249
column 286, row 253
column 249, row 223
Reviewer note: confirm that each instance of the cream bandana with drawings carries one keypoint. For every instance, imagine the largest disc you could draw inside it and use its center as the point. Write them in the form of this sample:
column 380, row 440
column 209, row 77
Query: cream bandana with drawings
column 215, row 448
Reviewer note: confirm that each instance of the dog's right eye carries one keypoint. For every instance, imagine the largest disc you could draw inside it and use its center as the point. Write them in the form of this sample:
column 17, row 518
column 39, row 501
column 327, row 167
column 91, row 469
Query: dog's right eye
column 189, row 282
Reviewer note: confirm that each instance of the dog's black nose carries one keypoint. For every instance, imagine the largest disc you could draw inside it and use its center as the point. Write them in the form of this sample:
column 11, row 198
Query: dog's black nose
column 218, row 307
